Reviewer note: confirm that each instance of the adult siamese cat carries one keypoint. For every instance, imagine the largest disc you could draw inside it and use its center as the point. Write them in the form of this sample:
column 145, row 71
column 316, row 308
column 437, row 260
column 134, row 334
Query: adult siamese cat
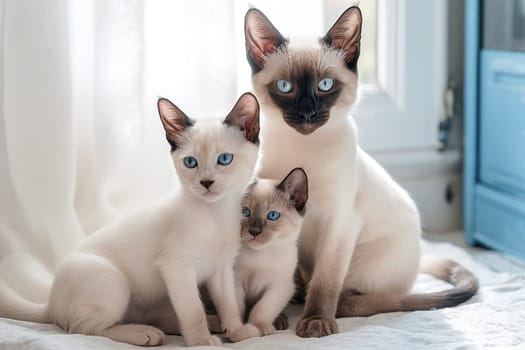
column 127, row 279
column 359, row 249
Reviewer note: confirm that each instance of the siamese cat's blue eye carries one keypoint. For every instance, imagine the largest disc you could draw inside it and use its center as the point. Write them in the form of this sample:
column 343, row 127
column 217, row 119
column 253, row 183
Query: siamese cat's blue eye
column 283, row 86
column 326, row 84
column 225, row 158
column 190, row 162
column 273, row 215
column 246, row 212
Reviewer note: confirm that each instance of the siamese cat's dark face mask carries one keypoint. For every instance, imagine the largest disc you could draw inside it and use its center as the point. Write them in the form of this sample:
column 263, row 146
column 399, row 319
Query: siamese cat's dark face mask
column 305, row 99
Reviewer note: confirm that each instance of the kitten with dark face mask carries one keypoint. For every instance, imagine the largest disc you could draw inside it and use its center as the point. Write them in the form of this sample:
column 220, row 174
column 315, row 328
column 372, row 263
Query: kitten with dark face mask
column 273, row 213
column 359, row 247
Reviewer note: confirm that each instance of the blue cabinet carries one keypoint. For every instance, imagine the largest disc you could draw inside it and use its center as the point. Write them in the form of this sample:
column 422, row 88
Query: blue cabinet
column 494, row 139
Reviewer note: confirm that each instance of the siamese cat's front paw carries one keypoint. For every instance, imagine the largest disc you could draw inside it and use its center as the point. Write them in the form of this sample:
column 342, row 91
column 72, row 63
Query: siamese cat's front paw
column 265, row 329
column 206, row 340
column 281, row 322
column 136, row 334
column 231, row 327
column 316, row 327
column 246, row 331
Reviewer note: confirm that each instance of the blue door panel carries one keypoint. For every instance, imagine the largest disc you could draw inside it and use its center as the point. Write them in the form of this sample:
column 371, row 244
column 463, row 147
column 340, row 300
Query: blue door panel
column 502, row 120
column 500, row 221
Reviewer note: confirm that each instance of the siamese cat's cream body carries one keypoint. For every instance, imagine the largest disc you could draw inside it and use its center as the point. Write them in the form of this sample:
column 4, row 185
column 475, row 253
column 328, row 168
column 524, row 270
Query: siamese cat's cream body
column 131, row 275
column 264, row 270
column 359, row 249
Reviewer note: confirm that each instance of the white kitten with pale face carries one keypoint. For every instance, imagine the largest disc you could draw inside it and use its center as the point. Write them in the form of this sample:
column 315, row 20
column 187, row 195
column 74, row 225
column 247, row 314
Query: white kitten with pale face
column 273, row 213
column 359, row 247
column 131, row 275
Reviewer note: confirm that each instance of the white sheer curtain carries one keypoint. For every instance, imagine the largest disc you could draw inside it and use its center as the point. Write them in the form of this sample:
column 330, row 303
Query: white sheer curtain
column 80, row 140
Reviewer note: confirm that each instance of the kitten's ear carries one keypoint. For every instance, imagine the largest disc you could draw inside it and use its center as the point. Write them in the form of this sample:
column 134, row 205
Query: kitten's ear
column 174, row 120
column 295, row 184
column 345, row 35
column 262, row 38
column 245, row 117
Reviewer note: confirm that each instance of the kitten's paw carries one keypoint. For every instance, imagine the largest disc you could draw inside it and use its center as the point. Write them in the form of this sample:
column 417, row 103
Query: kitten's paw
column 231, row 327
column 154, row 336
column 136, row 334
column 245, row 332
column 316, row 327
column 206, row 340
column 265, row 329
column 281, row 322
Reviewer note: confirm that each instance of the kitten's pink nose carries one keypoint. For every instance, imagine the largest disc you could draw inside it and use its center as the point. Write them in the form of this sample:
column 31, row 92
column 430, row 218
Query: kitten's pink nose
column 207, row 183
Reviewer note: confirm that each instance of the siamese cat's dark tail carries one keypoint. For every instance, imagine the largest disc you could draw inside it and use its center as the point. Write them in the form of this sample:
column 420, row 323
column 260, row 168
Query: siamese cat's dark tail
column 465, row 284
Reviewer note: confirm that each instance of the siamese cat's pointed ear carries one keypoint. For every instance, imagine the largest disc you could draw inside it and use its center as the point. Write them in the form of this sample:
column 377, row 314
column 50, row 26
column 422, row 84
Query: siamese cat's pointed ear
column 295, row 185
column 174, row 120
column 345, row 35
column 262, row 38
column 245, row 117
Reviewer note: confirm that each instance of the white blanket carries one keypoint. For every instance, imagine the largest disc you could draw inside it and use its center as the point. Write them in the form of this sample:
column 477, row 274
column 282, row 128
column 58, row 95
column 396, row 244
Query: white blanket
column 495, row 318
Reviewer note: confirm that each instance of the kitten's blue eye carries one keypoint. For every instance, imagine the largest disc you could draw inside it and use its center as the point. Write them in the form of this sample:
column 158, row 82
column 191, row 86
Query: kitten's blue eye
column 225, row 158
column 246, row 212
column 273, row 215
column 283, row 86
column 326, row 84
column 190, row 162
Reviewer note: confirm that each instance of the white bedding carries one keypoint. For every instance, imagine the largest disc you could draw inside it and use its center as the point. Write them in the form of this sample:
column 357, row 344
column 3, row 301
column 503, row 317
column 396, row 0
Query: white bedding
column 495, row 318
